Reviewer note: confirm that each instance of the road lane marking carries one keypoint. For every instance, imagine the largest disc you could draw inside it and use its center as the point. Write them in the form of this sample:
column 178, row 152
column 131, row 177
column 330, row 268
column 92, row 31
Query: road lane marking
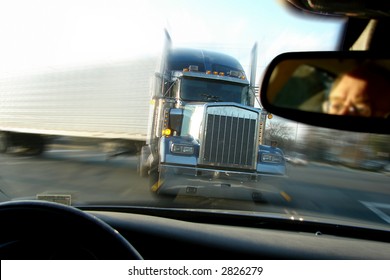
column 285, row 196
column 374, row 207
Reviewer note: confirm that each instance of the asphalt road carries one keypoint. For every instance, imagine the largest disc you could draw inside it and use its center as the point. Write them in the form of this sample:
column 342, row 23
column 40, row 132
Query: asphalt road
column 90, row 176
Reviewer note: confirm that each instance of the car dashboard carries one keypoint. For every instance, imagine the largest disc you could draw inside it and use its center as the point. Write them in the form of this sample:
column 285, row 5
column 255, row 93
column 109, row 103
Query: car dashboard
column 48, row 230
column 159, row 238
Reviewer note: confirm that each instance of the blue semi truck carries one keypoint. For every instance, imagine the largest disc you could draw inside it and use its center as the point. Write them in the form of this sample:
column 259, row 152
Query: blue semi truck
column 205, row 132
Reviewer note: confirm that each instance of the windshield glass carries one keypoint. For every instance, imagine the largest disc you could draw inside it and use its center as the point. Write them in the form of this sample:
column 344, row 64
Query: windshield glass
column 213, row 91
column 84, row 119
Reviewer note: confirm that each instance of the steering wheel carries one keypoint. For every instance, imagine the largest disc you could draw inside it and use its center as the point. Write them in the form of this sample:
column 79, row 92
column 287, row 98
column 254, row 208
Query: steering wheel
column 47, row 230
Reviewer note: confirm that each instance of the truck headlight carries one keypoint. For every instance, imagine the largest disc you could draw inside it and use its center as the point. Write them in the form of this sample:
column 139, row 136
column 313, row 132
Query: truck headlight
column 271, row 158
column 182, row 149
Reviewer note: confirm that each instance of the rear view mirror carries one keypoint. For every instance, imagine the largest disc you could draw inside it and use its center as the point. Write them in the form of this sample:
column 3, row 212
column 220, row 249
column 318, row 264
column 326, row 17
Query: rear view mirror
column 340, row 90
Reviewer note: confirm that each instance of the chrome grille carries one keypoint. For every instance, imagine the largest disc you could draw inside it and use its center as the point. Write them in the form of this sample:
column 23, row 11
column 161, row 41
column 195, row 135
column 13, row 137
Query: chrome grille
column 230, row 138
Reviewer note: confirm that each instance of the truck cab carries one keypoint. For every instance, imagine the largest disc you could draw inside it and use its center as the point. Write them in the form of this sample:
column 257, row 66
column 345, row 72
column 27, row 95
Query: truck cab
column 200, row 76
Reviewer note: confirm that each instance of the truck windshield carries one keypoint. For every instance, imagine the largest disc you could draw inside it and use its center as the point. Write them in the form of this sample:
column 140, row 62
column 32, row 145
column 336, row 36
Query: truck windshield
column 213, row 91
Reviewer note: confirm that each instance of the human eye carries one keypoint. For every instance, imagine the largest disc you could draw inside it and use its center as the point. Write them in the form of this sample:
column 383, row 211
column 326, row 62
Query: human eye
column 335, row 106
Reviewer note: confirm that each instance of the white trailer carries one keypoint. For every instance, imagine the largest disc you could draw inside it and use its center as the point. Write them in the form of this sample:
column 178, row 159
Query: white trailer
column 108, row 101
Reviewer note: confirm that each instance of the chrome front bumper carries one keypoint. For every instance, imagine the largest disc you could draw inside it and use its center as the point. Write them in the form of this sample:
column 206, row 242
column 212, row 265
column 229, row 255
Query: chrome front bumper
column 210, row 183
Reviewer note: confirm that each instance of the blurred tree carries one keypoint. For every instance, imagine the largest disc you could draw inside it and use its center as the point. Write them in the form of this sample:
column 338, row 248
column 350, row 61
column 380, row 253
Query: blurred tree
column 279, row 131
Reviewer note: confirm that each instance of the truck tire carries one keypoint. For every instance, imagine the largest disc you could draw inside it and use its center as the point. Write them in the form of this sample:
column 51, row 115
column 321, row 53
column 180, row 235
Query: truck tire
column 142, row 170
column 36, row 145
column 4, row 142
column 154, row 178
column 143, row 161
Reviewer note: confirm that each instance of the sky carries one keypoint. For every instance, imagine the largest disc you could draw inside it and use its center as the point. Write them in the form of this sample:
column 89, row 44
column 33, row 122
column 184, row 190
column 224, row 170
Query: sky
column 55, row 33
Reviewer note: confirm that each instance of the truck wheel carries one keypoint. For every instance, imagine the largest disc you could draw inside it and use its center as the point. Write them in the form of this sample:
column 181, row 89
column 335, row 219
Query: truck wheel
column 142, row 170
column 154, row 182
column 4, row 142
column 36, row 145
column 154, row 178
column 38, row 150
column 143, row 161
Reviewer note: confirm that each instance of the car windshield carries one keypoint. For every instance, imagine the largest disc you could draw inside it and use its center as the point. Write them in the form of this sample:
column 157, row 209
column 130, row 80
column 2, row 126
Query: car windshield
column 85, row 121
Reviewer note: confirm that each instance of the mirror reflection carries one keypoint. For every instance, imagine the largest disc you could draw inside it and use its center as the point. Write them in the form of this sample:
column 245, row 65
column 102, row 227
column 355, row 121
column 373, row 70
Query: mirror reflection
column 352, row 87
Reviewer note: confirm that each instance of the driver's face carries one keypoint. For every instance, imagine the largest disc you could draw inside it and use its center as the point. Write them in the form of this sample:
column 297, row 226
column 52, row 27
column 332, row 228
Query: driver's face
column 363, row 92
column 350, row 96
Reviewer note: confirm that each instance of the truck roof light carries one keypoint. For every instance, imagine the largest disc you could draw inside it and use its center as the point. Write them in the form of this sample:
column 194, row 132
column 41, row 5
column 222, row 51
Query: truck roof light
column 221, row 74
column 208, row 72
column 185, row 70
column 215, row 73
column 233, row 73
